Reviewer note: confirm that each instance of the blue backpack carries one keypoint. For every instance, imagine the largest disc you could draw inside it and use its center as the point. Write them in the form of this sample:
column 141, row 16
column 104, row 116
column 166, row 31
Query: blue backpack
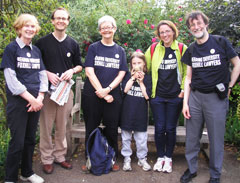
column 100, row 155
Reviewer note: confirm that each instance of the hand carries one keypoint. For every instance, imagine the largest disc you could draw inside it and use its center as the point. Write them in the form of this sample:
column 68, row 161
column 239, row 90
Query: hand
column 101, row 93
column 181, row 94
column 186, row 112
column 109, row 98
column 35, row 105
column 140, row 76
column 67, row 75
column 134, row 74
column 53, row 78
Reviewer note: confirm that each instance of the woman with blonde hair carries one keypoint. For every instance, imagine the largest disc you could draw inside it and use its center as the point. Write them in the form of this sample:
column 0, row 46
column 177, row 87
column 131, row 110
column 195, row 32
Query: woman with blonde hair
column 168, row 74
column 26, row 82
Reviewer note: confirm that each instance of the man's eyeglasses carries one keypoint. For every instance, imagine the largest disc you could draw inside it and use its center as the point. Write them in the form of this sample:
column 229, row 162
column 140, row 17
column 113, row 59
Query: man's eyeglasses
column 60, row 18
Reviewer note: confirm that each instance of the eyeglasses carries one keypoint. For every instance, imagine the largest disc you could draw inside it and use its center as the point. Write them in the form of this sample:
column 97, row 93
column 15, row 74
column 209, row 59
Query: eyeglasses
column 106, row 28
column 166, row 32
column 60, row 18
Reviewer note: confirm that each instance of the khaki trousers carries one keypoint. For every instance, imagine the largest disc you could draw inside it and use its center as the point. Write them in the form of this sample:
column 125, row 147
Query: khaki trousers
column 53, row 113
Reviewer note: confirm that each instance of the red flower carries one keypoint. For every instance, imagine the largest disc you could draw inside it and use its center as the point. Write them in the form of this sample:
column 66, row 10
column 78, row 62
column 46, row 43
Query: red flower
column 125, row 44
column 152, row 26
column 180, row 19
column 171, row 16
column 154, row 39
column 128, row 21
column 145, row 21
column 180, row 7
column 138, row 50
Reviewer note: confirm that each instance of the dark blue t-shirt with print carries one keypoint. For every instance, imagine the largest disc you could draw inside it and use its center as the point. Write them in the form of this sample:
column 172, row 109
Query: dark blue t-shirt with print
column 209, row 62
column 168, row 85
column 134, row 114
column 26, row 62
column 107, row 61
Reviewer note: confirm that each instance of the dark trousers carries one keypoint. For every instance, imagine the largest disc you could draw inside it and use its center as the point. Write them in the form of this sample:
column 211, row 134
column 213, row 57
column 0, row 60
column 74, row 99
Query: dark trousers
column 23, row 126
column 95, row 111
column 165, row 115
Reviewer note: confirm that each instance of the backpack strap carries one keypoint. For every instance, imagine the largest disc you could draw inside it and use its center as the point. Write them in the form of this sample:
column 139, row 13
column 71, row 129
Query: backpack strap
column 89, row 138
column 180, row 46
column 152, row 49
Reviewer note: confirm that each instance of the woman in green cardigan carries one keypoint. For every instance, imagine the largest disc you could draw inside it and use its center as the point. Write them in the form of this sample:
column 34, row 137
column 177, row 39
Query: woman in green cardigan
column 168, row 74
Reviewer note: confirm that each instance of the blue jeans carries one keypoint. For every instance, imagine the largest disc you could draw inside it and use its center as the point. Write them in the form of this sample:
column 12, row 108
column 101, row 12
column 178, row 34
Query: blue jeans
column 166, row 112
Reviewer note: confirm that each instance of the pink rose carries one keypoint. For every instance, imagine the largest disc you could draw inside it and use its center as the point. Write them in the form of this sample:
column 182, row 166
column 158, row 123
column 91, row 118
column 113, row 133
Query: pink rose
column 180, row 19
column 125, row 44
column 145, row 21
column 152, row 26
column 154, row 39
column 180, row 7
column 138, row 50
column 128, row 21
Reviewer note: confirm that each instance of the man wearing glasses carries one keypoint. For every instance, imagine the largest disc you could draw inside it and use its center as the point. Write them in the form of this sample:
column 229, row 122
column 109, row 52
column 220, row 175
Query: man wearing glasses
column 61, row 57
column 207, row 87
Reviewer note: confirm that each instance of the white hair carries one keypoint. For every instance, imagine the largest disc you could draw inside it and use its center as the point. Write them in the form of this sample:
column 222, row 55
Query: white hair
column 106, row 18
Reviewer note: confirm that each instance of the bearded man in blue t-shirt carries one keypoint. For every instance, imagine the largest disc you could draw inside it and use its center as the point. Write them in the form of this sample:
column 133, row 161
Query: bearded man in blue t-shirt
column 207, row 86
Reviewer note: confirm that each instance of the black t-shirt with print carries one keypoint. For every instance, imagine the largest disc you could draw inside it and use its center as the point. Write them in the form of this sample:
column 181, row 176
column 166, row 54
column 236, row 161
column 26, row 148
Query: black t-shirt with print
column 107, row 61
column 27, row 63
column 59, row 56
column 168, row 85
column 210, row 63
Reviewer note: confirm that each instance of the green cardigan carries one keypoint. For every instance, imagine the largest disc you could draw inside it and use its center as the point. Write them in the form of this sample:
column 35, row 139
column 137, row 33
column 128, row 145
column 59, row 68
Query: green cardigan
column 158, row 55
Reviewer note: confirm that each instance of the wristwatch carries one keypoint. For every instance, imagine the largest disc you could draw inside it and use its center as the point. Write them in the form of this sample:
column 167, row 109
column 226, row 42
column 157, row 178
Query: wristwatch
column 110, row 88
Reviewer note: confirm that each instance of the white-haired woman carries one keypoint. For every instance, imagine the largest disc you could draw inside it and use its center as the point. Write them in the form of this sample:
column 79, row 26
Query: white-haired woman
column 105, row 67
column 26, row 82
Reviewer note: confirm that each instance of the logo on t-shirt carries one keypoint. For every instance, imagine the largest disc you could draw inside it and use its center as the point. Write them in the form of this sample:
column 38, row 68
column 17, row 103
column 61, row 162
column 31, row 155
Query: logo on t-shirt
column 68, row 54
column 212, row 51
column 170, row 56
column 28, row 54
column 117, row 56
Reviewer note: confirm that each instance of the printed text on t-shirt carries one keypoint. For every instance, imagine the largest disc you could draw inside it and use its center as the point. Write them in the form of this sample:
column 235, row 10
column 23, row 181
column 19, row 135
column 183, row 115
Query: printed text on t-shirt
column 28, row 63
column 106, row 62
column 207, row 61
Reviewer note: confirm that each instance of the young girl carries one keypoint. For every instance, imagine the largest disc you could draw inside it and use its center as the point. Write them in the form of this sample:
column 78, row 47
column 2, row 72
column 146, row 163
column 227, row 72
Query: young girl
column 134, row 117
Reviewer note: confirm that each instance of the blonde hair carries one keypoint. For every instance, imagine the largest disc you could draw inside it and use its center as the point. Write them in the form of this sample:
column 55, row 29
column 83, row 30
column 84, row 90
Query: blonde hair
column 141, row 56
column 171, row 25
column 22, row 20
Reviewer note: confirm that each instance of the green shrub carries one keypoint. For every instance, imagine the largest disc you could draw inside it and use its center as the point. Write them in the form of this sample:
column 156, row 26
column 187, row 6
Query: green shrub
column 232, row 134
column 4, row 140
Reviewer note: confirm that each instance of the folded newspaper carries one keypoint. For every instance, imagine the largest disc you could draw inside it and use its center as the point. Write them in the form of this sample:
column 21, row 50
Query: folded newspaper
column 61, row 94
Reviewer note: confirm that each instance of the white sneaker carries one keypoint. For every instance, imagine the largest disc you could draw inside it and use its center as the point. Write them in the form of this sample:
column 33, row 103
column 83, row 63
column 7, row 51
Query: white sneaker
column 127, row 164
column 144, row 164
column 159, row 164
column 33, row 179
column 167, row 165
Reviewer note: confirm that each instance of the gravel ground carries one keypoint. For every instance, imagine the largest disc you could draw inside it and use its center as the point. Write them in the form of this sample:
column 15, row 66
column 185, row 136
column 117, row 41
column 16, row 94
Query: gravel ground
column 230, row 173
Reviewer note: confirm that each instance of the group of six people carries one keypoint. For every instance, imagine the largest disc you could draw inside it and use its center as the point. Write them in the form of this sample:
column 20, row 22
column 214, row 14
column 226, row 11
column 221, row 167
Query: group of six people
column 172, row 77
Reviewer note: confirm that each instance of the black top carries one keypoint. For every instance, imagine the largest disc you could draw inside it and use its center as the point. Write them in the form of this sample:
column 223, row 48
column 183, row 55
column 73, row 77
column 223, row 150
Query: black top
column 134, row 116
column 168, row 86
column 27, row 63
column 107, row 61
column 209, row 62
column 59, row 56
